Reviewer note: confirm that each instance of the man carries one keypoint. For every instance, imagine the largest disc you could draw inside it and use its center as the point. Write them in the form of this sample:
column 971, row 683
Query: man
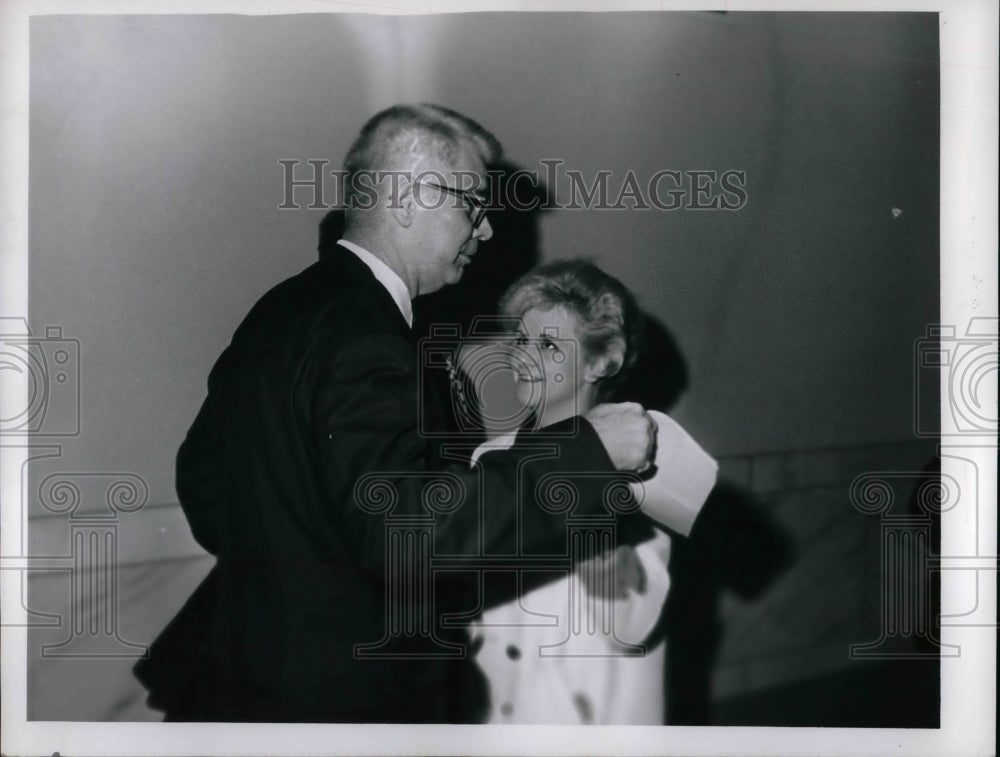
column 315, row 399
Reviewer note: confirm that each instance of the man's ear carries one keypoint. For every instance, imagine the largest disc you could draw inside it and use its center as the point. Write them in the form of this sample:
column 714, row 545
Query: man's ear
column 402, row 206
column 607, row 364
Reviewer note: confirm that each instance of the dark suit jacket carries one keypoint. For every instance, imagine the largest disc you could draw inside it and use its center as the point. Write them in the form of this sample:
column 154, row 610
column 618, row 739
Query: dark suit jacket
column 313, row 422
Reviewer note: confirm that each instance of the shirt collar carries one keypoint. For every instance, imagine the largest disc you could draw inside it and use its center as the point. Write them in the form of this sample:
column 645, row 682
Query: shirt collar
column 387, row 277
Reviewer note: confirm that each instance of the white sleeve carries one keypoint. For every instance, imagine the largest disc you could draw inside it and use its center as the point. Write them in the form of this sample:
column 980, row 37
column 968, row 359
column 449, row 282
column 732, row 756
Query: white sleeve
column 685, row 476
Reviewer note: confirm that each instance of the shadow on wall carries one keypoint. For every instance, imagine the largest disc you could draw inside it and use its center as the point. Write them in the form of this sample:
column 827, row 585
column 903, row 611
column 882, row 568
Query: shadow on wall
column 660, row 375
column 891, row 682
column 734, row 545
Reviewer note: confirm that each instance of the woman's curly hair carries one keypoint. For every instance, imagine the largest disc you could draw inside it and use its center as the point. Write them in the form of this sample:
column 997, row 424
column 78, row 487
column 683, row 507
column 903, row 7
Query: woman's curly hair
column 607, row 311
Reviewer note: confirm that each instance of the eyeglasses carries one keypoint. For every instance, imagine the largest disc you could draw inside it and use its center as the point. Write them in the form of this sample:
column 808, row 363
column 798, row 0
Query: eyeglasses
column 475, row 206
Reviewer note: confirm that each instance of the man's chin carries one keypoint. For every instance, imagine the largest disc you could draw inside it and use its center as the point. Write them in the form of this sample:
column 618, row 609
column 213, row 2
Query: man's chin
column 460, row 265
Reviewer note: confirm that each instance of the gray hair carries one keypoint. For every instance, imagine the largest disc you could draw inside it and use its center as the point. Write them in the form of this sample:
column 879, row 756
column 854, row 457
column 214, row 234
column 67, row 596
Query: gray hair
column 401, row 130
column 607, row 311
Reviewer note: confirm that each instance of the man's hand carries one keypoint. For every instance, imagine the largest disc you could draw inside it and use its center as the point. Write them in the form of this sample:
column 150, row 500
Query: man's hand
column 627, row 432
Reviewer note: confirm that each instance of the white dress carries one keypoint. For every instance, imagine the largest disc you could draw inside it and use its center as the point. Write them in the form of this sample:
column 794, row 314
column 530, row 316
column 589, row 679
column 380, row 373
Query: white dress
column 543, row 668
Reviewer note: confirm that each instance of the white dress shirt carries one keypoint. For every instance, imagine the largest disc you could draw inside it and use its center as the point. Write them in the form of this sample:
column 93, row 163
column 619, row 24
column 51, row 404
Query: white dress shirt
column 386, row 277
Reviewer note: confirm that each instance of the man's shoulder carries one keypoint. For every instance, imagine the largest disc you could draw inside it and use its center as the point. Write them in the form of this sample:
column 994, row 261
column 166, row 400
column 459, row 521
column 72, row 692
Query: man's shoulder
column 331, row 295
column 330, row 283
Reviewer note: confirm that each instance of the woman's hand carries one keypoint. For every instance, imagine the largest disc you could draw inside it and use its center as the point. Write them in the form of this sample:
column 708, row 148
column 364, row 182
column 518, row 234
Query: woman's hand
column 612, row 574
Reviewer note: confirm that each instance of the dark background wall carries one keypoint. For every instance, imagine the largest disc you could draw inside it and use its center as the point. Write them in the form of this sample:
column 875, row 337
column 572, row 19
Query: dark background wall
column 155, row 187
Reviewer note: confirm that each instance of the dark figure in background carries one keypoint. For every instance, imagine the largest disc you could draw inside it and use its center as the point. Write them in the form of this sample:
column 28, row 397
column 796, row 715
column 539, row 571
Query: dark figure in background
column 317, row 391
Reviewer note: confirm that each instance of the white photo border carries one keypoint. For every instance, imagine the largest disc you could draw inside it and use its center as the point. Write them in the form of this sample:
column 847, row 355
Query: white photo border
column 969, row 137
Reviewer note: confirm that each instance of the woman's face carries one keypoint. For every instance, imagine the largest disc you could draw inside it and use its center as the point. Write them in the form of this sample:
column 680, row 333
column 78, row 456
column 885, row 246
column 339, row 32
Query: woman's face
column 548, row 366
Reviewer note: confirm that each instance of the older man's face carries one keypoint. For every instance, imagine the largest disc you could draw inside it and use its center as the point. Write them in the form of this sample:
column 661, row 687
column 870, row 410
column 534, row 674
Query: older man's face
column 443, row 239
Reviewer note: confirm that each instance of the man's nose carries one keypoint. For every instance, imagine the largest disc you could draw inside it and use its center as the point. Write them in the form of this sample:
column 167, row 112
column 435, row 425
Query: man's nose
column 484, row 231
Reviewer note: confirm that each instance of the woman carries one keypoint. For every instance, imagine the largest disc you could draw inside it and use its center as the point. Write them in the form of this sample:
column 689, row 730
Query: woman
column 547, row 656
